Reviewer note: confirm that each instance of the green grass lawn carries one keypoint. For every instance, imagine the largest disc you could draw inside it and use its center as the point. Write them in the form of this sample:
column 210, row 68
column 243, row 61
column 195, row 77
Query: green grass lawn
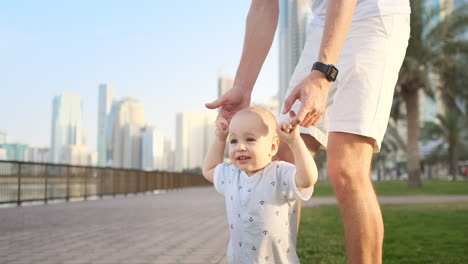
column 397, row 188
column 414, row 234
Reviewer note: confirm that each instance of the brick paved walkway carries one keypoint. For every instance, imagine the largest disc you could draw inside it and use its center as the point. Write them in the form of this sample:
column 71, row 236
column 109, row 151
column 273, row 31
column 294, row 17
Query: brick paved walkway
column 185, row 226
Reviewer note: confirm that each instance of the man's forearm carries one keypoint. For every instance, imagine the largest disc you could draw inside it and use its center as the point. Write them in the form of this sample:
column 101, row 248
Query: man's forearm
column 337, row 22
column 261, row 24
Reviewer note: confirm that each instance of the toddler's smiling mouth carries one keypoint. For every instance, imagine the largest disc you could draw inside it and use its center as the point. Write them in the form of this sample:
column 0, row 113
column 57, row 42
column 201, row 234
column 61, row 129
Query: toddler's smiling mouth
column 243, row 159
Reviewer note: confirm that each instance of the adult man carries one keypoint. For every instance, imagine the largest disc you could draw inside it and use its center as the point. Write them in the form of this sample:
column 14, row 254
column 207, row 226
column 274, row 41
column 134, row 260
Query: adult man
column 366, row 40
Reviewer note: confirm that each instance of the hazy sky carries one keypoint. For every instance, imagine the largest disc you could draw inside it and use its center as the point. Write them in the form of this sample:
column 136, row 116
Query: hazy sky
column 167, row 54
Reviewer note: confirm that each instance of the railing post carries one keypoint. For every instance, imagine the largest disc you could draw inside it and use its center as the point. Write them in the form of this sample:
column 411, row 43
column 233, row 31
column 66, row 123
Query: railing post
column 100, row 170
column 114, row 182
column 67, row 197
column 86, row 183
column 127, row 181
column 138, row 181
column 46, row 183
column 19, row 185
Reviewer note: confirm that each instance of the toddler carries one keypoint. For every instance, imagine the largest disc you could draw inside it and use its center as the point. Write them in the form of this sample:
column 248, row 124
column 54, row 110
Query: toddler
column 261, row 194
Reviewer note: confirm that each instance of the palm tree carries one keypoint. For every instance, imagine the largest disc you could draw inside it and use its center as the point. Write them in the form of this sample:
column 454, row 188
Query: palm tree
column 426, row 50
column 450, row 128
column 391, row 144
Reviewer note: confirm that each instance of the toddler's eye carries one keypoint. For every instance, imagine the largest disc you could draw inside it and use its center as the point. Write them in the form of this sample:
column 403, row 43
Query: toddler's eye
column 250, row 139
column 233, row 141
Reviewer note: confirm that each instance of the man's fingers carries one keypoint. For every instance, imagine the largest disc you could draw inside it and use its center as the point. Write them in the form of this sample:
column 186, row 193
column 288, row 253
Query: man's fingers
column 213, row 105
column 288, row 103
column 301, row 115
column 315, row 118
column 306, row 121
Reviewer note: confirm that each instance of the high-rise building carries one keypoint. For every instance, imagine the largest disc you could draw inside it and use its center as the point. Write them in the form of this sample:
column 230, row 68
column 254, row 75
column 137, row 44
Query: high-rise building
column 128, row 119
column 16, row 152
column 67, row 125
column 224, row 84
column 76, row 154
column 3, row 154
column 271, row 105
column 37, row 154
column 154, row 150
column 194, row 135
column 92, row 159
column 110, row 134
column 106, row 94
column 170, row 155
column 3, row 137
column 295, row 16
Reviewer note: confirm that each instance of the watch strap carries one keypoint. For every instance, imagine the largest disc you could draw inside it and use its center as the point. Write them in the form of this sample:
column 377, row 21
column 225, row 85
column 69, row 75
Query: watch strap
column 330, row 71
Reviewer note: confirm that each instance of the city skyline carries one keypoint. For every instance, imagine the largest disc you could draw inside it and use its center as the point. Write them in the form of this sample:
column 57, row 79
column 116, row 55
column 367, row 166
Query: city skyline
column 167, row 56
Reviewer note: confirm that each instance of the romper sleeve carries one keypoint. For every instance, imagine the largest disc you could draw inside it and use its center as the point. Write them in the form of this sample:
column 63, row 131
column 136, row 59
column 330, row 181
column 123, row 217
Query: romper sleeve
column 221, row 175
column 287, row 172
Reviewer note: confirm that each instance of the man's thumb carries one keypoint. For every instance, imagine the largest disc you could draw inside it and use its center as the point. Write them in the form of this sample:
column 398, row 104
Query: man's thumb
column 213, row 105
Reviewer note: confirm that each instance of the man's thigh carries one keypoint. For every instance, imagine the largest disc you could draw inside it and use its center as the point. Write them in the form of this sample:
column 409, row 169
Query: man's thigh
column 349, row 158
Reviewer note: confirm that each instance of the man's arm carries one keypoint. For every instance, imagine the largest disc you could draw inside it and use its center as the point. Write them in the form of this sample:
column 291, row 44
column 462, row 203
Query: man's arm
column 215, row 154
column 306, row 169
column 261, row 24
column 313, row 90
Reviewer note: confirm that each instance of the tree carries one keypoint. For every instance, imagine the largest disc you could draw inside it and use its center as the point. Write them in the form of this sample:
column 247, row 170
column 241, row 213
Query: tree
column 391, row 144
column 429, row 49
column 450, row 128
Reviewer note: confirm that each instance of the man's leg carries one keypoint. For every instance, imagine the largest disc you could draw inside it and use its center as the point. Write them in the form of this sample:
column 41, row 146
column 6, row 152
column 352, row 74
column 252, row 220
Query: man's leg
column 348, row 163
column 285, row 154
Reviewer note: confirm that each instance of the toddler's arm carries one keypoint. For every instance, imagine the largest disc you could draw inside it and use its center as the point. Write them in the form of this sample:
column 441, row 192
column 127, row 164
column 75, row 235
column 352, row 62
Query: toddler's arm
column 215, row 154
column 306, row 169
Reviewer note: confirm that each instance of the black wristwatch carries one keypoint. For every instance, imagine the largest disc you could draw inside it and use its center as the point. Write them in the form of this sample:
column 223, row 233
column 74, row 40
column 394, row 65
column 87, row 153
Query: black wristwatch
column 330, row 71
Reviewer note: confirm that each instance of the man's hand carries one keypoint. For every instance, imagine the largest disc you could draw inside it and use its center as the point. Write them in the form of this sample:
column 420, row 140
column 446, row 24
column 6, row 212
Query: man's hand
column 231, row 102
column 312, row 92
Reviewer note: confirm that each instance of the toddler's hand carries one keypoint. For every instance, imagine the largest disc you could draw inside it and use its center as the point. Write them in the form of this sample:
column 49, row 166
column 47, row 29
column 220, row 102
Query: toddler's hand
column 287, row 132
column 222, row 128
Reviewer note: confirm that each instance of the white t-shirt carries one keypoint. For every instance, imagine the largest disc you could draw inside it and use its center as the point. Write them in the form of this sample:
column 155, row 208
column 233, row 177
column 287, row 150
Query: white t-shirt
column 261, row 212
column 364, row 9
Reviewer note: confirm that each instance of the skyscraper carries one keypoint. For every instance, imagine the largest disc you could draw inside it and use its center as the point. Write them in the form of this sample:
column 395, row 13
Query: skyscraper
column 154, row 150
column 38, row 154
column 194, row 135
column 224, row 84
column 295, row 15
column 3, row 137
column 67, row 125
column 106, row 94
column 128, row 120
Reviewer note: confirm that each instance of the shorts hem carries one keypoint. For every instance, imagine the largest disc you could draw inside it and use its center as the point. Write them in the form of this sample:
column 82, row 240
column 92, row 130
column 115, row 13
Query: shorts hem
column 360, row 132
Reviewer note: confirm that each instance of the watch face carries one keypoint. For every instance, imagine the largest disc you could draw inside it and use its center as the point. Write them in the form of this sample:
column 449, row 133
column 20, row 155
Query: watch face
column 330, row 71
column 333, row 73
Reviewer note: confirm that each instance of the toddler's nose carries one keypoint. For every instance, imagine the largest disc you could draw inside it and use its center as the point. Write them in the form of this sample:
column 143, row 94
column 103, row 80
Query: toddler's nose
column 241, row 147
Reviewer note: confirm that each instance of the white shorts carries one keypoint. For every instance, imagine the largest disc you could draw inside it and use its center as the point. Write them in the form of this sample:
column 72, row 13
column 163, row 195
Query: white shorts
column 359, row 101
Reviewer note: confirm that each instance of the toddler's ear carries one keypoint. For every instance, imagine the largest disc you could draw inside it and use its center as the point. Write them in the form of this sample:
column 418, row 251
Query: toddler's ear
column 274, row 146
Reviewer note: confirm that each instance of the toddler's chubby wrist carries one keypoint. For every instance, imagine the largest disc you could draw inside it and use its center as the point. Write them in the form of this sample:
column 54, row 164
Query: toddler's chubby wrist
column 221, row 139
column 295, row 143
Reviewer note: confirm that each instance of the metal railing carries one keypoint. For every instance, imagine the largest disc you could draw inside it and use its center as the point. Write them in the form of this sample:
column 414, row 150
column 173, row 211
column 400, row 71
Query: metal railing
column 27, row 181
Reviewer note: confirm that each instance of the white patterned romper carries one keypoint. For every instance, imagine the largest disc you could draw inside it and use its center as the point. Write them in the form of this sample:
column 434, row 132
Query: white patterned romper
column 261, row 211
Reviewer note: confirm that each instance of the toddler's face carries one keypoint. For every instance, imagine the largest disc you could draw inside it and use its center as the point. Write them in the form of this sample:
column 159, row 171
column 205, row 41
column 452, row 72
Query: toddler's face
column 251, row 144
